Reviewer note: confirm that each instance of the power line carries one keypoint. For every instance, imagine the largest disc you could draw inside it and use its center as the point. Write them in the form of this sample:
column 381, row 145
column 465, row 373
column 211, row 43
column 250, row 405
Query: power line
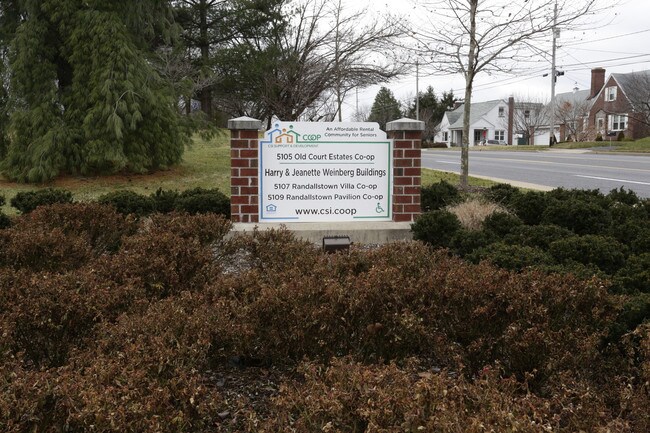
column 570, row 44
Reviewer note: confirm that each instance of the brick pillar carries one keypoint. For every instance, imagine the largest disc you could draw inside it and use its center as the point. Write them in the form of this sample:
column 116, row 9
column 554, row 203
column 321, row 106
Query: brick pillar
column 407, row 167
column 244, row 176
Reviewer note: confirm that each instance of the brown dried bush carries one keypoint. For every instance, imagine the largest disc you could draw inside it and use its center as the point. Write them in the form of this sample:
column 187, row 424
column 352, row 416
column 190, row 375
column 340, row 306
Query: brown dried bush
column 351, row 397
column 471, row 213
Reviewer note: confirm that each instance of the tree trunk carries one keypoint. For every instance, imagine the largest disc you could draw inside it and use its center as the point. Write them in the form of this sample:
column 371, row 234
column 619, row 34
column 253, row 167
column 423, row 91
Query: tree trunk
column 469, row 82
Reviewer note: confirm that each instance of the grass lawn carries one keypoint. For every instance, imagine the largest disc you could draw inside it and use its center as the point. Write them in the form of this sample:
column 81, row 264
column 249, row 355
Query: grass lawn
column 433, row 176
column 206, row 163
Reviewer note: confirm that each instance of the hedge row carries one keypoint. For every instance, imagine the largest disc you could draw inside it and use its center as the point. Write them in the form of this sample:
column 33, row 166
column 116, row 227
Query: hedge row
column 165, row 324
column 193, row 201
column 584, row 232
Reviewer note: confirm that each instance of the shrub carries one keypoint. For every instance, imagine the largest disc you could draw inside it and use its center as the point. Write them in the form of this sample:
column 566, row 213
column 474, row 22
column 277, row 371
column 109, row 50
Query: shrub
column 473, row 212
column 201, row 200
column 621, row 195
column 529, row 206
column 604, row 252
column 540, row 236
column 164, row 200
column 512, row 257
column 100, row 225
column 635, row 312
column 502, row 193
column 582, row 217
column 129, row 202
column 599, row 137
column 436, row 228
column 41, row 248
column 349, row 397
column 501, row 223
column 620, row 136
column 27, row 201
column 466, row 241
column 2, row 200
column 438, row 195
column 5, row 221
column 634, row 276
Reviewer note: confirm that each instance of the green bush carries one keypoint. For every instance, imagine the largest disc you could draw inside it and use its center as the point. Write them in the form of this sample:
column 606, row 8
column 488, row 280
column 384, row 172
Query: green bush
column 27, row 201
column 635, row 312
column 164, row 200
column 620, row 136
column 465, row 241
column 634, row 276
column 540, row 236
column 129, row 202
column 604, row 252
column 582, row 217
column 512, row 257
column 502, row 193
column 5, row 221
column 436, row 228
column 501, row 223
column 201, row 200
column 529, row 206
column 624, row 196
column 599, row 137
column 438, row 195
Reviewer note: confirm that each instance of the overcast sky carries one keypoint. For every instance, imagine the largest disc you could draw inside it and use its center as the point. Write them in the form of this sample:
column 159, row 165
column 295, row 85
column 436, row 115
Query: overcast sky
column 621, row 45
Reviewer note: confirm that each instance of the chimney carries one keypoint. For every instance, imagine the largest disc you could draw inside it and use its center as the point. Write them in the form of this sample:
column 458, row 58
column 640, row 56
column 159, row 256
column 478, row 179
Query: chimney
column 511, row 119
column 457, row 104
column 597, row 81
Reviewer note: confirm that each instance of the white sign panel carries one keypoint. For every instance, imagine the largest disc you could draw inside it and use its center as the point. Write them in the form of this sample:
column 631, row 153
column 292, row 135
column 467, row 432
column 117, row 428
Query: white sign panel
column 325, row 172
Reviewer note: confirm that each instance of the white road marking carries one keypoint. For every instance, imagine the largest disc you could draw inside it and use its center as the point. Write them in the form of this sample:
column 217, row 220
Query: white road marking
column 448, row 162
column 613, row 180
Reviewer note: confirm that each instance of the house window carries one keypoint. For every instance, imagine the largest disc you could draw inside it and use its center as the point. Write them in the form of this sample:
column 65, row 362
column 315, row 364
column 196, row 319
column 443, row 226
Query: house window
column 500, row 135
column 526, row 114
column 610, row 93
column 600, row 123
column 502, row 111
column 445, row 136
column 617, row 122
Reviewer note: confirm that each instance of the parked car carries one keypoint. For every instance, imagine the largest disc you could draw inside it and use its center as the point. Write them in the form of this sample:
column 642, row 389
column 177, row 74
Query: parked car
column 486, row 142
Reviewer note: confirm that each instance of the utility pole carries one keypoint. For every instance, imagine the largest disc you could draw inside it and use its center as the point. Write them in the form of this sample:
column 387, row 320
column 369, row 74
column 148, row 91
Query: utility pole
column 553, row 78
column 417, row 89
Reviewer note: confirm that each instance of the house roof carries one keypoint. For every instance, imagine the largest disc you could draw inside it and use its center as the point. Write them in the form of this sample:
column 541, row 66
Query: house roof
column 477, row 111
column 625, row 81
column 578, row 96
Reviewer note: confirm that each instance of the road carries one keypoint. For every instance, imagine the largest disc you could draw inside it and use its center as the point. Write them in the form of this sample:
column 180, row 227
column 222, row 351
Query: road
column 551, row 169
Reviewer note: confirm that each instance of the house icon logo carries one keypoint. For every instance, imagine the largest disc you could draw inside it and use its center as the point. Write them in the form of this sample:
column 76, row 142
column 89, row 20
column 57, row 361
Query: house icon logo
column 281, row 136
column 271, row 208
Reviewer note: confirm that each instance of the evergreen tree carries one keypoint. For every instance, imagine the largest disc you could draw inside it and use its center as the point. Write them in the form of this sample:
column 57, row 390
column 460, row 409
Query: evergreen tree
column 385, row 108
column 431, row 110
column 84, row 96
column 223, row 41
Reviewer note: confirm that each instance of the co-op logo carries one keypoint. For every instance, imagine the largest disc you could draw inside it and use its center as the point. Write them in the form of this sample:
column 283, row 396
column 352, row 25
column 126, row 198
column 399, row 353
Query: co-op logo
column 311, row 137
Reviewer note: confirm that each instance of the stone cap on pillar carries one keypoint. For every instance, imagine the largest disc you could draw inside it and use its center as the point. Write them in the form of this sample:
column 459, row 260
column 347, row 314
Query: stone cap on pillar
column 244, row 123
column 405, row 124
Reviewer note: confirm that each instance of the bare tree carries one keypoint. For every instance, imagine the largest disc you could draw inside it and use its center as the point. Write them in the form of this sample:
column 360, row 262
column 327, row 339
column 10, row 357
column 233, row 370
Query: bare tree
column 574, row 115
column 529, row 116
column 474, row 36
column 327, row 50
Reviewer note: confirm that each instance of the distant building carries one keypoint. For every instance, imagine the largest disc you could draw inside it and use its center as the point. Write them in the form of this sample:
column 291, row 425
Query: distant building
column 489, row 121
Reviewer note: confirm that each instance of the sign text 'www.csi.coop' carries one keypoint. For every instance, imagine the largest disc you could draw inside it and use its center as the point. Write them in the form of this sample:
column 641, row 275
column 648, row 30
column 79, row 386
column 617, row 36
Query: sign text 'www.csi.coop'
column 325, row 172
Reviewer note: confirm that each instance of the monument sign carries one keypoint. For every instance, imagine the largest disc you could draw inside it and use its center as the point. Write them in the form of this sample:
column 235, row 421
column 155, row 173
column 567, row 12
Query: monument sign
column 318, row 172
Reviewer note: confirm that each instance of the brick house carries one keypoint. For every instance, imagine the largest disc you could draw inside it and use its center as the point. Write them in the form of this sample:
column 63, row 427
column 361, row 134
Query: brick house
column 611, row 106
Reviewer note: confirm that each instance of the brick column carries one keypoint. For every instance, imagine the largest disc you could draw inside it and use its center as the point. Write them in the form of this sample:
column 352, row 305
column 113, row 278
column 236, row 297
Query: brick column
column 407, row 167
column 244, row 176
